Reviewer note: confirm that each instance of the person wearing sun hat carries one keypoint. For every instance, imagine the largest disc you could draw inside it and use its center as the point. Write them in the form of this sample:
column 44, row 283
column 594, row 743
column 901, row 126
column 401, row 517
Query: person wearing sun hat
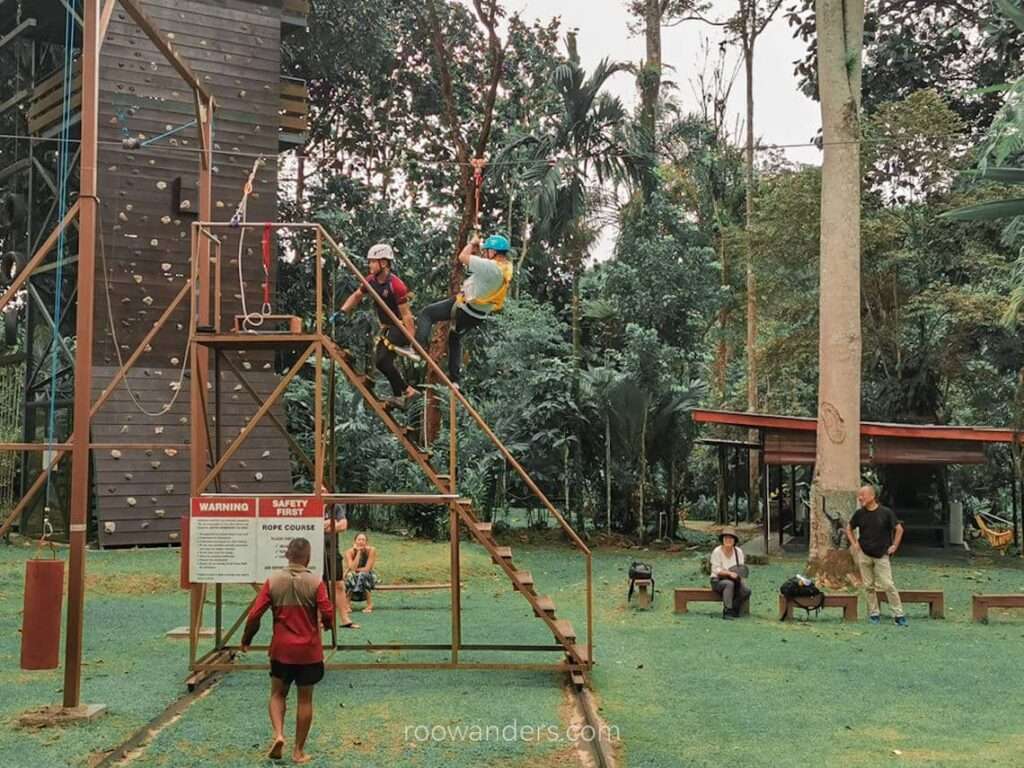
column 728, row 572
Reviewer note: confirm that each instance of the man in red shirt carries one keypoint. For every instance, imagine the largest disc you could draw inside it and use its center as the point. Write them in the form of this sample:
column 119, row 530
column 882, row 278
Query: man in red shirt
column 392, row 340
column 295, row 594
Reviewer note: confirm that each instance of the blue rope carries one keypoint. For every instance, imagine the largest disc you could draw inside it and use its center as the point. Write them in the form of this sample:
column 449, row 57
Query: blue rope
column 63, row 176
column 165, row 134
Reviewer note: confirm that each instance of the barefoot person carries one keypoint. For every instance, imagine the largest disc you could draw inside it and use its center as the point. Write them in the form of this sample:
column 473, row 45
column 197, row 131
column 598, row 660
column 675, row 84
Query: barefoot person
column 483, row 293
column 728, row 572
column 335, row 523
column 360, row 578
column 295, row 594
column 879, row 536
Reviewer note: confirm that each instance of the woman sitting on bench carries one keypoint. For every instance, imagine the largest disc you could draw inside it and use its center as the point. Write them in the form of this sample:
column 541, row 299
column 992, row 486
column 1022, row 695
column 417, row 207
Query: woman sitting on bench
column 728, row 573
column 360, row 578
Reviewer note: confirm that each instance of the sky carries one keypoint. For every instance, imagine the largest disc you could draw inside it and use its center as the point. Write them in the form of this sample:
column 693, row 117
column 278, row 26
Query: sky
column 782, row 114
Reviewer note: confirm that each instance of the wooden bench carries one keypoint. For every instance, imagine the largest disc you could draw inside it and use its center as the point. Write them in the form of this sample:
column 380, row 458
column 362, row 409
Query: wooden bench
column 981, row 603
column 935, row 598
column 685, row 595
column 847, row 602
column 644, row 592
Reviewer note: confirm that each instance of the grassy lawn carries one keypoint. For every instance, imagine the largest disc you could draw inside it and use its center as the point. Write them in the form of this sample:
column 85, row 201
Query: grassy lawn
column 680, row 690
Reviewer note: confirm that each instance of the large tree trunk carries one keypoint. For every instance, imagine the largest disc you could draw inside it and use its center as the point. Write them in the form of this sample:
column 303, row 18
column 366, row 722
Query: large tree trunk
column 837, row 464
column 749, row 39
column 650, row 81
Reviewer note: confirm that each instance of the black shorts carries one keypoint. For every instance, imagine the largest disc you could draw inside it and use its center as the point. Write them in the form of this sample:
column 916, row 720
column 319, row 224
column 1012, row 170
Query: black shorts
column 300, row 674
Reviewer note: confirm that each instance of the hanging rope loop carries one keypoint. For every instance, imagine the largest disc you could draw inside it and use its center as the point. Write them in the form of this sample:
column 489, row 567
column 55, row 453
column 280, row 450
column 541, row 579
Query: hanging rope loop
column 478, row 164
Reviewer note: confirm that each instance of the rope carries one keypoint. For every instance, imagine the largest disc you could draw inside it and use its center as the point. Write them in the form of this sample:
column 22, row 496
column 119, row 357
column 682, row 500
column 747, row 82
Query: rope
column 63, row 176
column 136, row 400
column 252, row 319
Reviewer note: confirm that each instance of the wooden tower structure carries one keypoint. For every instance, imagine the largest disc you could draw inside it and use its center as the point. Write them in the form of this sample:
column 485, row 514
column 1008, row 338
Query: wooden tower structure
column 148, row 144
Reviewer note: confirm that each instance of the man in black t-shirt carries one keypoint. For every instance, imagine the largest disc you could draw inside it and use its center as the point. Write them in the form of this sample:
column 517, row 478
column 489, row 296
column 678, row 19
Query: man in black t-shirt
column 879, row 536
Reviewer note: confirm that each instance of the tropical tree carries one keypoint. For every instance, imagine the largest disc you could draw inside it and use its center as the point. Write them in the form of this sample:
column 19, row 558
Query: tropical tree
column 837, row 463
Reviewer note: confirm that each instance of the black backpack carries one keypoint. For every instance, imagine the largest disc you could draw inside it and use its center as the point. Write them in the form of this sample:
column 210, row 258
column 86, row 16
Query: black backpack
column 640, row 572
column 806, row 596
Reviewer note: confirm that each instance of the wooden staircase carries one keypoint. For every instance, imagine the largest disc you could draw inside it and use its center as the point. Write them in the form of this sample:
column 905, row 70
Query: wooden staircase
column 577, row 657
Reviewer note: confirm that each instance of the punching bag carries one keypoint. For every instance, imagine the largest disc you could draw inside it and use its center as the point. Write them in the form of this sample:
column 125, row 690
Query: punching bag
column 44, row 598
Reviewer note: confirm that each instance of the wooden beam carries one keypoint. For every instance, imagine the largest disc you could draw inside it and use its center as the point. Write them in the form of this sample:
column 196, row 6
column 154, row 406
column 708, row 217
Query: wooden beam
column 292, row 442
column 172, row 56
column 122, row 372
column 30, row 494
column 260, row 413
column 34, row 262
column 108, row 12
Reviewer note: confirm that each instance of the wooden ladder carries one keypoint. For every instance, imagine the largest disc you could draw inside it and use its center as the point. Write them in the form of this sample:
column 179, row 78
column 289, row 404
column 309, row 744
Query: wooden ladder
column 521, row 581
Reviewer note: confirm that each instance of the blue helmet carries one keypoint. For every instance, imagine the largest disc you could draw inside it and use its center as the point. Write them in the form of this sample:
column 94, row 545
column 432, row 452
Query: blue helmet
column 497, row 243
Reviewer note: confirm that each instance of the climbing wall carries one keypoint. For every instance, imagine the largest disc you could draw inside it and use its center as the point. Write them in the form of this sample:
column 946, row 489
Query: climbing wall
column 149, row 201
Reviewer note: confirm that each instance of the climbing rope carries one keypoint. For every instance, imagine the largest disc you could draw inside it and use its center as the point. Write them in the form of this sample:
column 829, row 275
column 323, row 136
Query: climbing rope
column 63, row 176
column 252, row 319
column 136, row 400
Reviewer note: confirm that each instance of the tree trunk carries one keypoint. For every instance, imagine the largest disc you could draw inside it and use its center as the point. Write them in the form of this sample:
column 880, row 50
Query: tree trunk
column 643, row 475
column 837, row 463
column 650, row 81
column 749, row 40
column 608, row 468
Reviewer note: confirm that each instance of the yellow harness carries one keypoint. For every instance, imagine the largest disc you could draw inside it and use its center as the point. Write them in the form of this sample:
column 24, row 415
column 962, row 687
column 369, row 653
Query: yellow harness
column 495, row 300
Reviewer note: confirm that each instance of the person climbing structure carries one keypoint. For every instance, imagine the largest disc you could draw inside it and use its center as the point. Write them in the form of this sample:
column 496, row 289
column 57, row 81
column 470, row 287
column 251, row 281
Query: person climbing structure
column 482, row 294
column 392, row 340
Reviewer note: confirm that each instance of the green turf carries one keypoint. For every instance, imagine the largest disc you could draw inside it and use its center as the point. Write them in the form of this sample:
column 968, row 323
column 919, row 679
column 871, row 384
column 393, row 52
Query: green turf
column 679, row 690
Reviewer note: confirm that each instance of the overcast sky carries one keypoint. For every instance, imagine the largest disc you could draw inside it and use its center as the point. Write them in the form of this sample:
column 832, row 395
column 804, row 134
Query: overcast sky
column 782, row 114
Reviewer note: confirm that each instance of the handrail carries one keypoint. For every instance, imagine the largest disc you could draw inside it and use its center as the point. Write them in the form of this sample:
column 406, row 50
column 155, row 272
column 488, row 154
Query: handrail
column 347, row 261
column 205, row 227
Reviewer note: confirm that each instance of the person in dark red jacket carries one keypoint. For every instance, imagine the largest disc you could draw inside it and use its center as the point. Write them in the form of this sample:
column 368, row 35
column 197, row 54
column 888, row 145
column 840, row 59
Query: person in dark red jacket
column 391, row 340
column 296, row 595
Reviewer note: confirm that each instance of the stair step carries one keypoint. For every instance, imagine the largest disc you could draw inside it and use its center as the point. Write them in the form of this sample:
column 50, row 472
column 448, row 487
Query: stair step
column 505, row 553
column 580, row 651
column 483, row 527
column 578, row 680
column 523, row 580
column 566, row 630
column 545, row 604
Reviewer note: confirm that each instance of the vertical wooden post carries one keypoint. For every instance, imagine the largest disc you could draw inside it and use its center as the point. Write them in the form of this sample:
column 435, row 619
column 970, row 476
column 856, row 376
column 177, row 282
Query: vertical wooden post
column 318, row 422
column 723, row 493
column 453, row 444
column 456, row 569
column 219, row 615
column 319, row 281
column 199, row 437
column 80, row 495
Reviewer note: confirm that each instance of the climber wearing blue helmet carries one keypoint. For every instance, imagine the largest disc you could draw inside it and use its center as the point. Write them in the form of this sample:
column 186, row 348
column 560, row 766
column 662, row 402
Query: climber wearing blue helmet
column 483, row 292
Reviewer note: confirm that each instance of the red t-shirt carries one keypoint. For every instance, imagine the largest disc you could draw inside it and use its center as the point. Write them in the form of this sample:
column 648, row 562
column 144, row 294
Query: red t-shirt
column 296, row 595
column 394, row 293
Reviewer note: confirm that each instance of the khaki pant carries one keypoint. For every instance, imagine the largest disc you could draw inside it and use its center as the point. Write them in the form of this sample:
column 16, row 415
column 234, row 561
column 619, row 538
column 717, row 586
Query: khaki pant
column 876, row 572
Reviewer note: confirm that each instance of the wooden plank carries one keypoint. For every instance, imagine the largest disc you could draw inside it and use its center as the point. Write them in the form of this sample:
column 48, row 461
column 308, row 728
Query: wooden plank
column 297, row 124
column 44, row 121
column 42, row 103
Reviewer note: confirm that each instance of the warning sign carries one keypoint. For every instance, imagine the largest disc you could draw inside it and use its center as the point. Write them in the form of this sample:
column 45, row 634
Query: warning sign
column 243, row 539
column 281, row 519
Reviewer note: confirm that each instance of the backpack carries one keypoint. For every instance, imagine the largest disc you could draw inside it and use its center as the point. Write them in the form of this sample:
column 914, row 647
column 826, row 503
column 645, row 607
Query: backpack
column 803, row 593
column 640, row 572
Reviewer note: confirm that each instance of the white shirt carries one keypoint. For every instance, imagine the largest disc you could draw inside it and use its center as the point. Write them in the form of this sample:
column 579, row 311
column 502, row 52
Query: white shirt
column 485, row 277
column 719, row 562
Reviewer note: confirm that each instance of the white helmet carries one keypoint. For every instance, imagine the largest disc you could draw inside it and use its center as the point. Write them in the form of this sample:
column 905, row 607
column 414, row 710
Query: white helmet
column 381, row 251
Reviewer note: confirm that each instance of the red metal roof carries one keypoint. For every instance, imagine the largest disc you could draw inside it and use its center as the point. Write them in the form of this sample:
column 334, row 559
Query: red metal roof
column 867, row 428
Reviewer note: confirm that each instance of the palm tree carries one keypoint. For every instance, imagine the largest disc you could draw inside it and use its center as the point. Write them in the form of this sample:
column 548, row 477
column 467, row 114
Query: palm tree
column 562, row 169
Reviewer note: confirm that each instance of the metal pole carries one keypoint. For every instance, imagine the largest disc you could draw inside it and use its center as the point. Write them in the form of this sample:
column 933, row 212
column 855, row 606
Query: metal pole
column 83, row 353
